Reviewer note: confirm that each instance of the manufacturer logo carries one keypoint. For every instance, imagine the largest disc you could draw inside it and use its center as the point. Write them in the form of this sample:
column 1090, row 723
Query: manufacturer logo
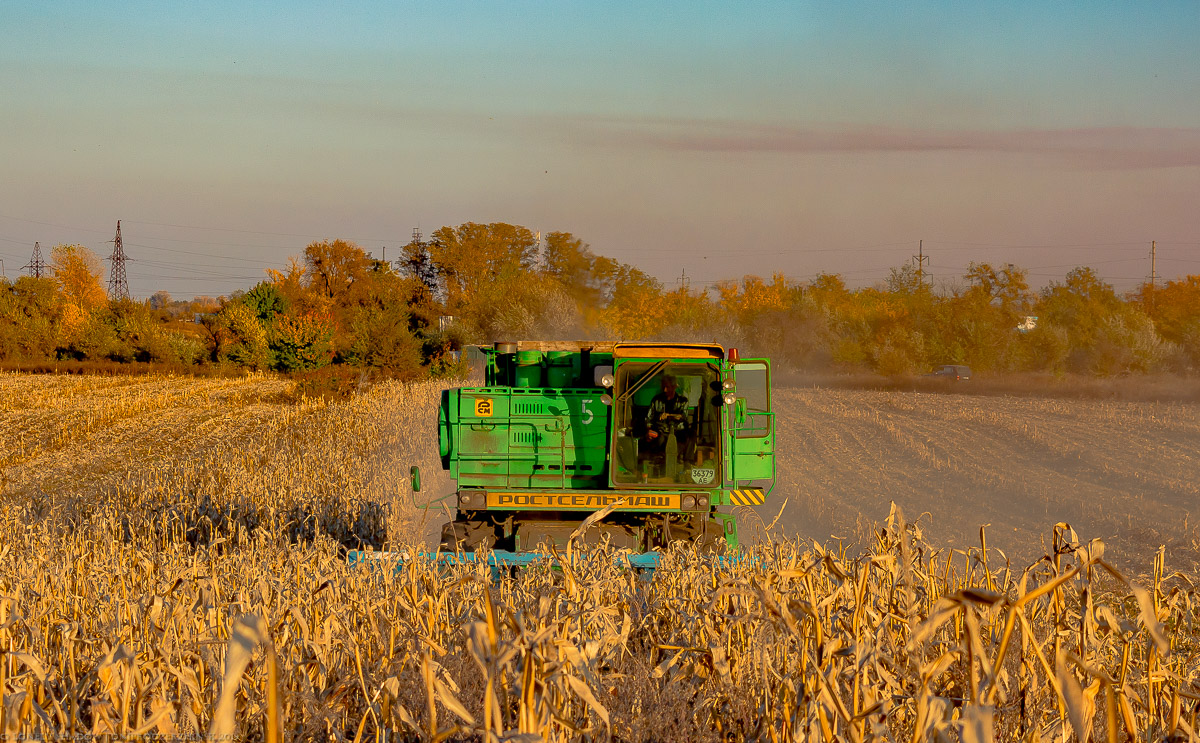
column 483, row 407
column 622, row 502
column 703, row 475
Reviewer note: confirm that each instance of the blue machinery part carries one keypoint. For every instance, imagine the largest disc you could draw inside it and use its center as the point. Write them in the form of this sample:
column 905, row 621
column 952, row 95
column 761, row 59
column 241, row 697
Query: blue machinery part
column 495, row 558
column 644, row 562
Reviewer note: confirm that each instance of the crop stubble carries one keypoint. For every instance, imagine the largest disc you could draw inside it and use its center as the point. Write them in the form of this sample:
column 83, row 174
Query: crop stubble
column 1128, row 472
column 153, row 579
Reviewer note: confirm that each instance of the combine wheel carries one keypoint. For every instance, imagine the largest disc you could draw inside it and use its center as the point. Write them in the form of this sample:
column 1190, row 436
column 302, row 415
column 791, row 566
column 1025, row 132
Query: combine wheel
column 467, row 536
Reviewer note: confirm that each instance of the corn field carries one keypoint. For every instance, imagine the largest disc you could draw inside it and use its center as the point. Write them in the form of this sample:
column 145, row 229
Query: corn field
column 173, row 565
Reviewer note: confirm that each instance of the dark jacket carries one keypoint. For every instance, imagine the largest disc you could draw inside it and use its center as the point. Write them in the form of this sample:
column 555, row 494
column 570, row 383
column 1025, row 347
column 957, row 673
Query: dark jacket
column 667, row 416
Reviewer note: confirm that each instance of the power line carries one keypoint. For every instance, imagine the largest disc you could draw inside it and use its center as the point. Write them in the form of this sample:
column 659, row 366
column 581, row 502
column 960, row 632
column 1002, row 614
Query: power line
column 1033, row 246
column 207, row 255
column 257, row 232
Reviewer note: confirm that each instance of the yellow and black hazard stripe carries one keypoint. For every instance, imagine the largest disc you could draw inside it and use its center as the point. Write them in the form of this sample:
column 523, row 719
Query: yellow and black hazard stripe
column 752, row 497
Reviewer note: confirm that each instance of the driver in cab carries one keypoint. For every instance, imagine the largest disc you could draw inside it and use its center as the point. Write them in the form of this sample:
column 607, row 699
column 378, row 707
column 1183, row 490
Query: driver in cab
column 667, row 415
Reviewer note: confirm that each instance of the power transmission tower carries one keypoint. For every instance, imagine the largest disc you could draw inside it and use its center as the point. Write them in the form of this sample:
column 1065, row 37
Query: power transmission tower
column 36, row 266
column 416, row 240
column 118, row 286
column 921, row 260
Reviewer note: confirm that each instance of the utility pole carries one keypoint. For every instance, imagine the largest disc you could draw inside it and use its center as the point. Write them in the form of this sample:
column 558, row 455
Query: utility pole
column 684, row 283
column 118, row 286
column 1153, row 264
column 37, row 267
column 3, row 273
column 921, row 259
column 1153, row 274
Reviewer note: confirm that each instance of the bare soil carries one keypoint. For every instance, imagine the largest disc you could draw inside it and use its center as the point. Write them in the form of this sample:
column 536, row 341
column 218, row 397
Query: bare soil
column 1127, row 472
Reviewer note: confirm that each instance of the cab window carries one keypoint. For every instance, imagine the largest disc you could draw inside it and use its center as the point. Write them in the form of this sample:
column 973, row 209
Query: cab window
column 752, row 410
column 666, row 424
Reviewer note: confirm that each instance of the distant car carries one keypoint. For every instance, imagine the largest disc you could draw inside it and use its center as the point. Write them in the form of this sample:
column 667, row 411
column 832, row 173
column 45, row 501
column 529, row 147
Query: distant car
column 956, row 372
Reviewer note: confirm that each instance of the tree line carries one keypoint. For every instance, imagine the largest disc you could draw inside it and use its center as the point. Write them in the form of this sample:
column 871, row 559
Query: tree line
column 476, row 283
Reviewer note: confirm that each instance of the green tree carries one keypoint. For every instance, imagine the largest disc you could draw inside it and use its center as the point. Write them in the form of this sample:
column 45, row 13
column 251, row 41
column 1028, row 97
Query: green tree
column 30, row 309
column 300, row 343
column 240, row 337
column 266, row 301
column 382, row 341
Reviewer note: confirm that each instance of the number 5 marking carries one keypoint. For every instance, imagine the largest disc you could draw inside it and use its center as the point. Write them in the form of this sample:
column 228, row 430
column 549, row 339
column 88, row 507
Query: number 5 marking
column 587, row 416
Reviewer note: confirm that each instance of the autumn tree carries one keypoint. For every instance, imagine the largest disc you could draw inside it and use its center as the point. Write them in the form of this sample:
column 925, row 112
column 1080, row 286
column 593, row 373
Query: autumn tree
column 77, row 273
column 160, row 300
column 1106, row 336
column 634, row 307
column 472, row 256
column 416, row 262
column 978, row 325
column 570, row 262
column 1175, row 309
column 749, row 299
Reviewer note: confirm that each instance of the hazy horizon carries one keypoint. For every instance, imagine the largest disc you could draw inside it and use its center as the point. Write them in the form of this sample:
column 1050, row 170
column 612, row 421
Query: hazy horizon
column 761, row 137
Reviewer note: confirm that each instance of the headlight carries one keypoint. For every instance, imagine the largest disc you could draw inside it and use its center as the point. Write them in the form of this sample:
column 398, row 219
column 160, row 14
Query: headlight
column 727, row 384
column 607, row 380
column 702, row 501
column 729, row 398
column 688, row 502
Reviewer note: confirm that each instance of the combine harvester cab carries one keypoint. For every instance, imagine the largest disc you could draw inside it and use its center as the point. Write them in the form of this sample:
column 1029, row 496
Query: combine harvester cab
column 669, row 437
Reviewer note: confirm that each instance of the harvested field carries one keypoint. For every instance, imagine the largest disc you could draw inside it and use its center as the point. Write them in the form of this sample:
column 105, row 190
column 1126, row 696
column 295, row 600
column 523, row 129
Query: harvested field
column 171, row 565
column 1125, row 471
column 1128, row 472
column 153, row 446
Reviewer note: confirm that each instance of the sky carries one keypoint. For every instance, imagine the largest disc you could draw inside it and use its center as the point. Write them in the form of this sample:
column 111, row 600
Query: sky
column 697, row 141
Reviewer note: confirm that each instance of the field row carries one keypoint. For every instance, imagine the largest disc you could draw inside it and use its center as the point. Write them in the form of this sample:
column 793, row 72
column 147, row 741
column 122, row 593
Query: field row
column 1127, row 472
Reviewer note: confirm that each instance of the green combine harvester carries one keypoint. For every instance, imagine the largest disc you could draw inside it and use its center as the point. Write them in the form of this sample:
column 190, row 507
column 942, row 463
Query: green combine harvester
column 665, row 438
column 670, row 437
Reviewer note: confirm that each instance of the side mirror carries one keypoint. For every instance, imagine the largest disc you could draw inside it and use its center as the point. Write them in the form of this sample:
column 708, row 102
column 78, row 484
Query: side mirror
column 739, row 411
column 415, row 472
